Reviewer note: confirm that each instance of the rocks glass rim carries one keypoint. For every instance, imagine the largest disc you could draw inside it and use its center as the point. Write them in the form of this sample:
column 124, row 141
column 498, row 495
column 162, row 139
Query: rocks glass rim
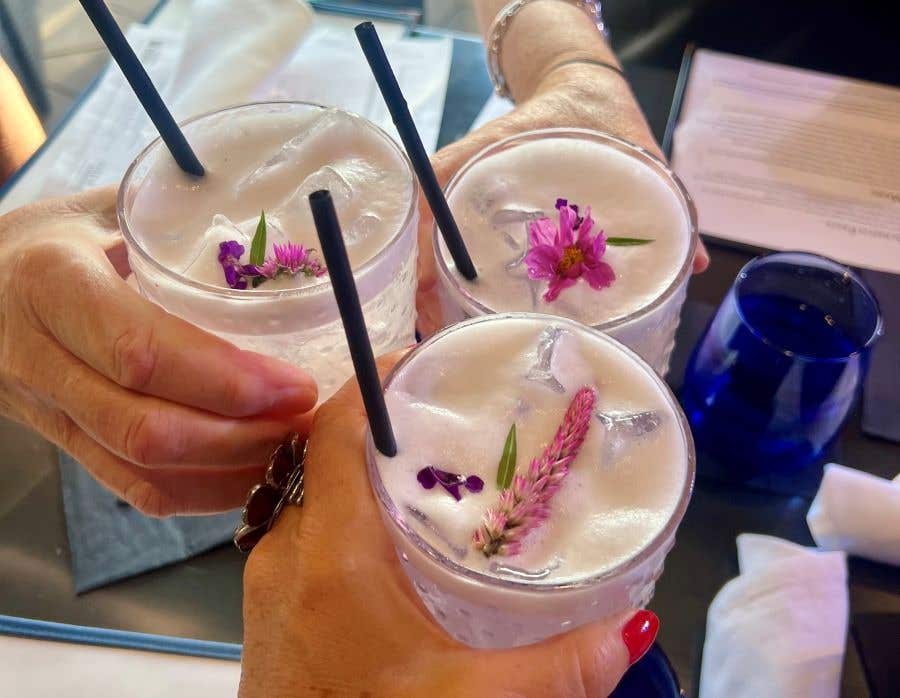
column 458, row 569
column 800, row 259
column 323, row 286
column 637, row 153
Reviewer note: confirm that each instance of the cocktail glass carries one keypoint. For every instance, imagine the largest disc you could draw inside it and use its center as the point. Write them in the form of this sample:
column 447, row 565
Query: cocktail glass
column 299, row 325
column 650, row 329
column 484, row 610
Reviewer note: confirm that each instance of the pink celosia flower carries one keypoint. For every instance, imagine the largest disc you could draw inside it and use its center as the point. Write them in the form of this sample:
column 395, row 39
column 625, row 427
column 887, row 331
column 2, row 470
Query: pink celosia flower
column 524, row 505
column 291, row 258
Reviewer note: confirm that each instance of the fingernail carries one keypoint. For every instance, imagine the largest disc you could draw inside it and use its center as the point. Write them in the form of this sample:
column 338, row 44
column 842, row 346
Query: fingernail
column 301, row 396
column 290, row 387
column 639, row 633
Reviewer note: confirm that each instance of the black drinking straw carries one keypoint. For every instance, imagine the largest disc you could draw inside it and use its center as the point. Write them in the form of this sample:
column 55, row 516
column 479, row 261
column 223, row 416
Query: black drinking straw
column 396, row 104
column 332, row 242
column 143, row 87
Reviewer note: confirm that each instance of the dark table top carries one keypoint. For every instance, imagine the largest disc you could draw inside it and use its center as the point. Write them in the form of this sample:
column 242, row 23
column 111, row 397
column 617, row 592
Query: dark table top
column 201, row 598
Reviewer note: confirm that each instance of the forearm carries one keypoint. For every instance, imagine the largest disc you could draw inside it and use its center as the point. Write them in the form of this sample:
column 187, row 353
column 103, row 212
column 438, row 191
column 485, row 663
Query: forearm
column 543, row 34
column 552, row 49
column 20, row 130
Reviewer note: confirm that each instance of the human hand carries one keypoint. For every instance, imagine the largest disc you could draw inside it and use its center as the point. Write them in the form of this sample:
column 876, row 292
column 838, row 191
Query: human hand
column 329, row 611
column 168, row 417
column 576, row 96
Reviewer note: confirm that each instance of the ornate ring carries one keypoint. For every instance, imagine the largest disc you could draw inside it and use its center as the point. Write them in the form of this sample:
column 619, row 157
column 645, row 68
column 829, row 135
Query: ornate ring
column 283, row 485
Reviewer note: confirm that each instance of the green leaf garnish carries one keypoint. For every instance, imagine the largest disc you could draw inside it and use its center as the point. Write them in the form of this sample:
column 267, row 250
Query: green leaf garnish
column 258, row 246
column 507, row 467
column 627, row 242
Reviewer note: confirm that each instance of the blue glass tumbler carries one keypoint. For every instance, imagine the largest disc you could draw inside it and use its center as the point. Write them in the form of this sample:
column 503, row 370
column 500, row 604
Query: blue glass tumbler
column 775, row 375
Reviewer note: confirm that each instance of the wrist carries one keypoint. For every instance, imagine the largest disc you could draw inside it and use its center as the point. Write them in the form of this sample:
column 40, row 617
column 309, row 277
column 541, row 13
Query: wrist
column 542, row 34
column 595, row 97
column 598, row 80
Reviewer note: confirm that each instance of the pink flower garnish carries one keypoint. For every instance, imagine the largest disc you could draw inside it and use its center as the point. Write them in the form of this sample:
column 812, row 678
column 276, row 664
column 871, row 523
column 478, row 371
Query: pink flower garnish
column 291, row 258
column 557, row 255
column 524, row 505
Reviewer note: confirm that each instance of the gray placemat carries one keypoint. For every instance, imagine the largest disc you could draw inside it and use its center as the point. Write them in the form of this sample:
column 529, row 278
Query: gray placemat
column 110, row 540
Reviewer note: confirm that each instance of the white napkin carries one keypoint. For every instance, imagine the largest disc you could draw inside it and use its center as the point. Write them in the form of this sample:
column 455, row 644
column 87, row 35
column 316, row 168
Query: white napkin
column 231, row 47
column 779, row 629
column 857, row 512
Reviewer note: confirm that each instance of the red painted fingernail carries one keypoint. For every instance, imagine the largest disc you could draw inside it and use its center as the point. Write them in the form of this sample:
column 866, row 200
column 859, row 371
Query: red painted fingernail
column 639, row 634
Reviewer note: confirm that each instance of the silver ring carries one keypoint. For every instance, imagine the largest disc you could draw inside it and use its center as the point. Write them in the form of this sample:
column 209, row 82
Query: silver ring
column 283, row 485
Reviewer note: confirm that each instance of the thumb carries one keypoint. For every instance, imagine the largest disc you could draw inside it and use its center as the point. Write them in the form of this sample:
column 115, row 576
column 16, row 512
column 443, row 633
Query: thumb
column 590, row 660
column 449, row 159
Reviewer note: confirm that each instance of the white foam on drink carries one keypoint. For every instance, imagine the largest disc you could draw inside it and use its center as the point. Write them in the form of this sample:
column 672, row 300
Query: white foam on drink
column 453, row 405
column 627, row 199
column 271, row 160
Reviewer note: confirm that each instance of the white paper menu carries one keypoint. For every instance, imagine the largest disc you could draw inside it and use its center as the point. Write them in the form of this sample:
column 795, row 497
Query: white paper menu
column 792, row 159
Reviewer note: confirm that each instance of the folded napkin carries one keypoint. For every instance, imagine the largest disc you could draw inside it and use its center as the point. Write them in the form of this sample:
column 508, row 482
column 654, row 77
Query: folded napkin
column 858, row 513
column 110, row 540
column 779, row 629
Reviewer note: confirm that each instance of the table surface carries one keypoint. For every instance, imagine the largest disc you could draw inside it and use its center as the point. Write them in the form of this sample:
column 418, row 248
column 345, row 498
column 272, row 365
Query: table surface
column 201, row 598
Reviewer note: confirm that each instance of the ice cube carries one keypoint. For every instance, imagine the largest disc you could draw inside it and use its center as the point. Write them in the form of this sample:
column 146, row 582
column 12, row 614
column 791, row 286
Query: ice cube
column 516, row 237
column 517, row 262
column 290, row 154
column 275, row 230
column 343, row 179
column 330, row 178
column 294, row 213
column 541, row 371
column 622, row 427
column 515, row 214
column 486, row 200
column 423, row 519
column 364, row 226
column 534, row 289
column 203, row 262
column 631, row 424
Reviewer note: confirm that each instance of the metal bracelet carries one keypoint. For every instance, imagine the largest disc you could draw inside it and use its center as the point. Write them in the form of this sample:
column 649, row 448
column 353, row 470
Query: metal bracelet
column 501, row 24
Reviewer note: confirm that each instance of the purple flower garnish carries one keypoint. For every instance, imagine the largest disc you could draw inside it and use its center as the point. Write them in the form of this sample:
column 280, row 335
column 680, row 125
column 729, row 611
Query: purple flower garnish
column 474, row 484
column 230, row 253
column 426, row 477
column 430, row 476
column 557, row 255
column 289, row 258
column 564, row 203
